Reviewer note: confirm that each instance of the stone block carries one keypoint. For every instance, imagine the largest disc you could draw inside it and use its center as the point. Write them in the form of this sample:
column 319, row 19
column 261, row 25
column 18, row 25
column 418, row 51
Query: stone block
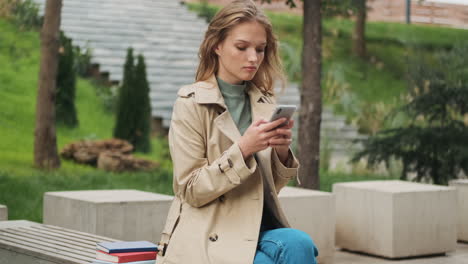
column 119, row 214
column 3, row 213
column 314, row 213
column 395, row 219
column 462, row 220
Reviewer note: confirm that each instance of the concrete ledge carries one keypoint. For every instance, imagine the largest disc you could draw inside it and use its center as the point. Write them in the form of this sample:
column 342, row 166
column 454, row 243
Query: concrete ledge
column 120, row 214
column 3, row 213
column 314, row 213
column 395, row 219
column 462, row 221
column 28, row 242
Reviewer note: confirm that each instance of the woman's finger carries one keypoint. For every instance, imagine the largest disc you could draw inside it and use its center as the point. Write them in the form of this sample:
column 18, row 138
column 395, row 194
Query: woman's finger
column 284, row 132
column 280, row 141
column 272, row 125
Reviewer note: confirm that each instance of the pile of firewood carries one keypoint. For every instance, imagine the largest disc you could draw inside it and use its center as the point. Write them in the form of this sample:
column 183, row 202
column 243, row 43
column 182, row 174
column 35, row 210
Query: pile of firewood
column 110, row 155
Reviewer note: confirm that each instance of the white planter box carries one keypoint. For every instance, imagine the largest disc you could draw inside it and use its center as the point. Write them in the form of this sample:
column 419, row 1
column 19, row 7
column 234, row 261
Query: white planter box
column 314, row 213
column 395, row 219
column 3, row 213
column 462, row 222
column 119, row 214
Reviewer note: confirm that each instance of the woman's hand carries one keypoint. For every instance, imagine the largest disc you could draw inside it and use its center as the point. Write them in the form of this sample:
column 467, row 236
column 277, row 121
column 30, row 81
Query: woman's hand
column 282, row 141
column 257, row 136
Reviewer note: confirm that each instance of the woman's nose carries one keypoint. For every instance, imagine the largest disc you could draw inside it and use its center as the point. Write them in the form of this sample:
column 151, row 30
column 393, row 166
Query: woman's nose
column 252, row 56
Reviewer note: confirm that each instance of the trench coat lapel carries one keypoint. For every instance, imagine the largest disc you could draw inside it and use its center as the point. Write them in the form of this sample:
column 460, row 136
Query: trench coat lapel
column 262, row 106
column 208, row 93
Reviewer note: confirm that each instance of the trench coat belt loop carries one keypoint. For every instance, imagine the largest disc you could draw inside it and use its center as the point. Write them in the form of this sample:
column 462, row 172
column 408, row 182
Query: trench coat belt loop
column 162, row 248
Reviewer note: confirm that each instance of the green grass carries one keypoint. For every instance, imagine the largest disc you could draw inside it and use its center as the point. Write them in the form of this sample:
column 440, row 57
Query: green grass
column 328, row 178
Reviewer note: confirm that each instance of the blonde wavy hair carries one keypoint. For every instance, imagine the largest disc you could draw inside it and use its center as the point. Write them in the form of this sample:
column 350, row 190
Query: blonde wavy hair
column 231, row 15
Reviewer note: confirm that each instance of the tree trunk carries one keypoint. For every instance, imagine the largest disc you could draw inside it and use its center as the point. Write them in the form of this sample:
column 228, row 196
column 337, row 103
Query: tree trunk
column 359, row 36
column 311, row 97
column 45, row 141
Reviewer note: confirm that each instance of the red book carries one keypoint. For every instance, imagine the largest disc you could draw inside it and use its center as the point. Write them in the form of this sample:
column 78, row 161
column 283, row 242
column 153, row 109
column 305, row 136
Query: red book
column 125, row 257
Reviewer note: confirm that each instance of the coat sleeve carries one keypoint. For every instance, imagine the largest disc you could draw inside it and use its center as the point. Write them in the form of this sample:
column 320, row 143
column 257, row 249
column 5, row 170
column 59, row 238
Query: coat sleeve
column 281, row 173
column 196, row 180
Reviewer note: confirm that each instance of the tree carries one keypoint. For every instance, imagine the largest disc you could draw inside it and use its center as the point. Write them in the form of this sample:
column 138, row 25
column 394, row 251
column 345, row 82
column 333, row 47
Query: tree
column 346, row 8
column 45, row 141
column 133, row 109
column 359, row 36
column 123, row 126
column 66, row 84
column 143, row 121
column 311, row 94
column 434, row 145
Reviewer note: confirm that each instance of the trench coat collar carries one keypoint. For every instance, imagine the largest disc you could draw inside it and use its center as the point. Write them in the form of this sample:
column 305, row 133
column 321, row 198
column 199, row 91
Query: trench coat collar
column 207, row 92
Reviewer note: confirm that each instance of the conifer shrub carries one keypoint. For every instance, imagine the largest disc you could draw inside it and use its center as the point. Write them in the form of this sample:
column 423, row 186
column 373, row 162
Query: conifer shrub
column 65, row 109
column 434, row 143
column 133, row 107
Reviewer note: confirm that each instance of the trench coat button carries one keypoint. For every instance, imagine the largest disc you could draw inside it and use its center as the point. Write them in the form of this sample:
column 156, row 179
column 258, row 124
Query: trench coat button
column 222, row 198
column 213, row 237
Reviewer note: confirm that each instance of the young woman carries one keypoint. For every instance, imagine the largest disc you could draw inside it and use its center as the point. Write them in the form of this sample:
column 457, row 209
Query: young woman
column 229, row 162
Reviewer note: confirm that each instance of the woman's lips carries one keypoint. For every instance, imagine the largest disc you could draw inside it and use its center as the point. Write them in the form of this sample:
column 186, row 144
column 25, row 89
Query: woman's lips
column 250, row 68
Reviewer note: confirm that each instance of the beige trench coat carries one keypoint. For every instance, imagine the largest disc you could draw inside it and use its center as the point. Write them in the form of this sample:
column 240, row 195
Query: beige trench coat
column 217, row 210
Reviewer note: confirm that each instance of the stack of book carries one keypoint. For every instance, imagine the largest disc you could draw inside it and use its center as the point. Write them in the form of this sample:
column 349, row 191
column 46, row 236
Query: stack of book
column 133, row 252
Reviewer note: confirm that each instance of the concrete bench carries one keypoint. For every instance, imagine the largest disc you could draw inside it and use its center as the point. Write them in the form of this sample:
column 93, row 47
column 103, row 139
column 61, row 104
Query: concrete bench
column 395, row 219
column 25, row 242
column 462, row 221
column 314, row 213
column 121, row 214
column 3, row 213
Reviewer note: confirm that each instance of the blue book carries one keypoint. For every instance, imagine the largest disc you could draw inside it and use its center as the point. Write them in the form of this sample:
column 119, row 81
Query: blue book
column 126, row 246
column 96, row 261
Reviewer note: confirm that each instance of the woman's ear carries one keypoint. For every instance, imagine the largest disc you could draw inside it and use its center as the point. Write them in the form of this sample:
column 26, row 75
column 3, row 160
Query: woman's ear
column 217, row 50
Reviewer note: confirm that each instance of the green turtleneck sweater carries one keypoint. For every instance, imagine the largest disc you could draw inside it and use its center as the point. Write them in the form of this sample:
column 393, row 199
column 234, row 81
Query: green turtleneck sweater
column 237, row 102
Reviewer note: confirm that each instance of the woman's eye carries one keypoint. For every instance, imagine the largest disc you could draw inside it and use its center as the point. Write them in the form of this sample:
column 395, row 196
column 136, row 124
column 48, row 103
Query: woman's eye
column 239, row 48
column 261, row 51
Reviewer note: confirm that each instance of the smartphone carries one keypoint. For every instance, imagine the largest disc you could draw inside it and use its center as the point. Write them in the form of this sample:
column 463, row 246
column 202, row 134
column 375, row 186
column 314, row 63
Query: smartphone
column 281, row 111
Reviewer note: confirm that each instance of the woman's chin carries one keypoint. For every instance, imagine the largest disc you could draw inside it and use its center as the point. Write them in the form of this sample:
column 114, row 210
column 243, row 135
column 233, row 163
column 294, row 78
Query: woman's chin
column 247, row 77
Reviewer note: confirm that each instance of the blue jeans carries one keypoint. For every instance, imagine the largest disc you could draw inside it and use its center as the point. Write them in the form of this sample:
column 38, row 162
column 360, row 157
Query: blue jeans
column 285, row 246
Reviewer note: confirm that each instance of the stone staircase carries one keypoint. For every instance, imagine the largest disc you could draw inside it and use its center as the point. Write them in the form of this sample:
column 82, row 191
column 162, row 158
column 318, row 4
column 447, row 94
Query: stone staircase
column 168, row 35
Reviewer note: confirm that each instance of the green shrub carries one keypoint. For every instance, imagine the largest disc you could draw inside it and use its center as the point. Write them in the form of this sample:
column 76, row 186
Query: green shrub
column 434, row 144
column 24, row 13
column 82, row 60
column 133, row 109
column 143, row 116
column 66, row 84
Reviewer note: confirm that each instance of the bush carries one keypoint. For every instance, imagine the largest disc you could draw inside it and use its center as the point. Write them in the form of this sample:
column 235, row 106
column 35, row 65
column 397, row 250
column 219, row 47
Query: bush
column 133, row 109
column 82, row 61
column 66, row 84
column 25, row 13
column 434, row 145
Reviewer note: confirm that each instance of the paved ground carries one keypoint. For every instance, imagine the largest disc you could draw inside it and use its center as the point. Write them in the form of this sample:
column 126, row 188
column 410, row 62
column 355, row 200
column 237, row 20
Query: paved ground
column 460, row 256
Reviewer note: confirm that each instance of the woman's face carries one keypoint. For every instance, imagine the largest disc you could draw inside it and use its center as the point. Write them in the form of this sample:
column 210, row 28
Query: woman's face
column 241, row 53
